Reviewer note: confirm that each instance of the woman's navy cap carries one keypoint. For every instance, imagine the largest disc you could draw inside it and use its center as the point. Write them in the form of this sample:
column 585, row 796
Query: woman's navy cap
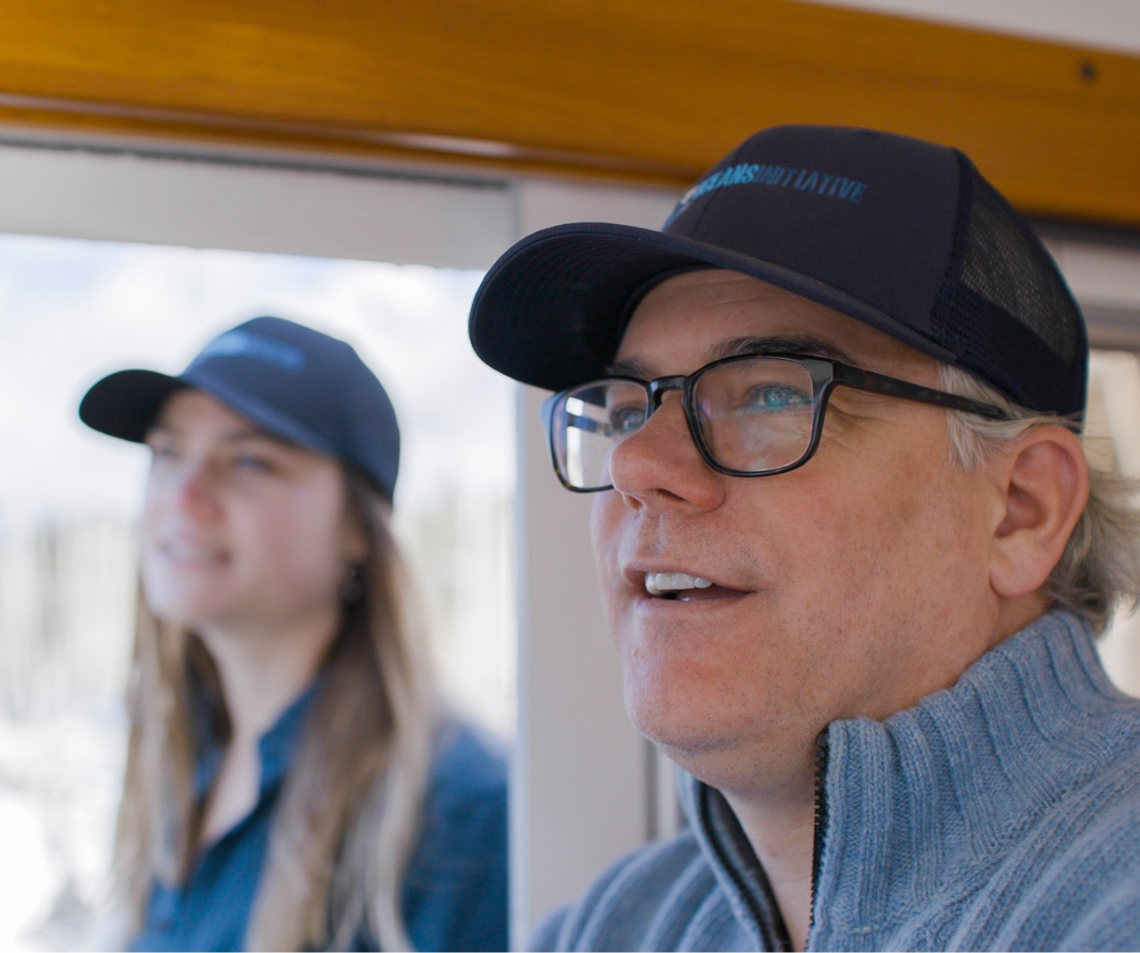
column 903, row 235
column 296, row 383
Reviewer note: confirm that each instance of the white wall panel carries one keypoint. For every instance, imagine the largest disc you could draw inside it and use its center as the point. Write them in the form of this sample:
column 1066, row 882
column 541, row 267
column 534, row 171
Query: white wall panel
column 581, row 784
column 209, row 204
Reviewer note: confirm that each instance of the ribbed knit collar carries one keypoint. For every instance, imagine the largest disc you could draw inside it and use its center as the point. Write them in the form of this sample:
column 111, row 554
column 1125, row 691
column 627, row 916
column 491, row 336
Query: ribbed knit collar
column 929, row 797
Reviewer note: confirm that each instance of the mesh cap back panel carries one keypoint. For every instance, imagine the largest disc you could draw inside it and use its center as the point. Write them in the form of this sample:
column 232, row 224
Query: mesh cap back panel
column 1007, row 266
column 1004, row 307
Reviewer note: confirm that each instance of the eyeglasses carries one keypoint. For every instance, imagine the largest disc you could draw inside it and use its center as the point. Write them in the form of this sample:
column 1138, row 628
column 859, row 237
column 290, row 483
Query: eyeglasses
column 752, row 415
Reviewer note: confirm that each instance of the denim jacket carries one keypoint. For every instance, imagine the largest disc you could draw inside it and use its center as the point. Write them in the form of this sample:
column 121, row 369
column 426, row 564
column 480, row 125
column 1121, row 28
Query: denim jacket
column 455, row 888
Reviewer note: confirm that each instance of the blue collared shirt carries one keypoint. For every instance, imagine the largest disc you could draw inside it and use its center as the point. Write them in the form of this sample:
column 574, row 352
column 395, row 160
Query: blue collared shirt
column 455, row 888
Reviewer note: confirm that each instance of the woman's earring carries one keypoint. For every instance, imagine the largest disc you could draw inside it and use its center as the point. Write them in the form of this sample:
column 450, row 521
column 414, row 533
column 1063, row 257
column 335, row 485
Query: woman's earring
column 353, row 590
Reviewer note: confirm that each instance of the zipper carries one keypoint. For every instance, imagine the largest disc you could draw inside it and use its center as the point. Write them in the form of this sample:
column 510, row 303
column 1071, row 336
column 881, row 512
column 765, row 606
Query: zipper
column 769, row 923
column 820, row 818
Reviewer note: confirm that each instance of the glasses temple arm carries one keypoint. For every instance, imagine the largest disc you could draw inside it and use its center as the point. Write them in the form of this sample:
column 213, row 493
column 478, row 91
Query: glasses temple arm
column 893, row 387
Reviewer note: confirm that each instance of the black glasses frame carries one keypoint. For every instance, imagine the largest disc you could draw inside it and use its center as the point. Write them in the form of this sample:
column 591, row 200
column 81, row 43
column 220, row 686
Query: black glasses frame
column 826, row 375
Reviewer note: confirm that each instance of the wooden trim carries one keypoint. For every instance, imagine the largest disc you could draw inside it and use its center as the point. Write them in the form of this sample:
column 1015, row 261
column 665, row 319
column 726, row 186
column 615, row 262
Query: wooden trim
column 642, row 90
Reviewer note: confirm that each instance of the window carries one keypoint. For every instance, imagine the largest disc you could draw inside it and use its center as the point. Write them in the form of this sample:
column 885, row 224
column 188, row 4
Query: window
column 71, row 310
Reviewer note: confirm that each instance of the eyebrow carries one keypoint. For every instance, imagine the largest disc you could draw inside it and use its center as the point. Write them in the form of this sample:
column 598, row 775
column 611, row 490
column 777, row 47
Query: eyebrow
column 807, row 344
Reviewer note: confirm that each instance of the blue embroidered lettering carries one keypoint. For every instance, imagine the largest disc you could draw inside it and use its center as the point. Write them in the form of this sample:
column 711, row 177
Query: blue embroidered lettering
column 745, row 173
column 238, row 343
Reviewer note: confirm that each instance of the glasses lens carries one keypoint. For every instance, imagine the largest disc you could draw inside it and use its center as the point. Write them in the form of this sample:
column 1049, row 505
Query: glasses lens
column 756, row 414
column 588, row 423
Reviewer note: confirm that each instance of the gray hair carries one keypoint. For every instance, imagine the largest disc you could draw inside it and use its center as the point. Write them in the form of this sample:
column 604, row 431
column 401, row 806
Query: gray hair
column 1099, row 571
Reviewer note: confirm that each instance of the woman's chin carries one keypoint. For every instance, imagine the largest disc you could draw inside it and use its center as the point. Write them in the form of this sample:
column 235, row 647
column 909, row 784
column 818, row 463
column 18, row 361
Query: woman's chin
column 186, row 610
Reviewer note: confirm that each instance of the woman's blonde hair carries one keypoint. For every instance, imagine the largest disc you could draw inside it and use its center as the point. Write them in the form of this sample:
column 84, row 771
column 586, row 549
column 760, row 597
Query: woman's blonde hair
column 348, row 814
column 1099, row 570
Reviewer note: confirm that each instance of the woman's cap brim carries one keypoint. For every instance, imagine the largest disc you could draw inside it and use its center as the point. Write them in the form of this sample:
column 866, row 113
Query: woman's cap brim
column 125, row 404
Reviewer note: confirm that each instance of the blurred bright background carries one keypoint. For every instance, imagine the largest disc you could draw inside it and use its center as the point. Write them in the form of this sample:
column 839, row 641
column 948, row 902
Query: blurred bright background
column 71, row 311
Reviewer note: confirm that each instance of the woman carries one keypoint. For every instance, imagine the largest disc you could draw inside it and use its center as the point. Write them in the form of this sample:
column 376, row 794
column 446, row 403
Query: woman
column 289, row 784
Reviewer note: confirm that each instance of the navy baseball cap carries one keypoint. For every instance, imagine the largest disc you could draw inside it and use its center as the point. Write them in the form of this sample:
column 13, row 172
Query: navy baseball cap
column 903, row 235
column 301, row 385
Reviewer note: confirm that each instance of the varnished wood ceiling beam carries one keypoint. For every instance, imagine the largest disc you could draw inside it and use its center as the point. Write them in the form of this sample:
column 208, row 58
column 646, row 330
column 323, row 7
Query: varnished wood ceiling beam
column 643, row 90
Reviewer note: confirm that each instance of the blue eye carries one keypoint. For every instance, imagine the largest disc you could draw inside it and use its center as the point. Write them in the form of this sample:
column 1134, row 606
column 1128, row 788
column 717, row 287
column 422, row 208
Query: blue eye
column 776, row 397
column 253, row 463
column 626, row 420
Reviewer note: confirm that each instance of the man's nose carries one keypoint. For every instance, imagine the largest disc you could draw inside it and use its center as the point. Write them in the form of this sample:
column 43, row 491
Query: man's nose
column 661, row 465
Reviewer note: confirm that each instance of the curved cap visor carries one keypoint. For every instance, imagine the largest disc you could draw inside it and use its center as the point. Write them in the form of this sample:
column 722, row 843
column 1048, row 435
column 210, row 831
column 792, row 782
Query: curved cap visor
column 126, row 403
column 552, row 310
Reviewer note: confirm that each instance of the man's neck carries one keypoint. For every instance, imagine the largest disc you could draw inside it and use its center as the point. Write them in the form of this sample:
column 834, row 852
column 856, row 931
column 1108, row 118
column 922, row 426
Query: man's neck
column 781, row 831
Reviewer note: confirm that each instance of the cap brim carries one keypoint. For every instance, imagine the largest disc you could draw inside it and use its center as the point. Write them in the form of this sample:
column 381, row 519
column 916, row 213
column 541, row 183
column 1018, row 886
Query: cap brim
column 552, row 309
column 125, row 404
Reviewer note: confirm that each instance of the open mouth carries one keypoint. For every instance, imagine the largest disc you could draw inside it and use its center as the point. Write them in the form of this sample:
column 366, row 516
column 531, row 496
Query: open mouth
column 684, row 587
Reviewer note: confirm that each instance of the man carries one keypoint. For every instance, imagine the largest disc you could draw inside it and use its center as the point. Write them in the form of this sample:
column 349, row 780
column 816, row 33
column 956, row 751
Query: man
column 851, row 553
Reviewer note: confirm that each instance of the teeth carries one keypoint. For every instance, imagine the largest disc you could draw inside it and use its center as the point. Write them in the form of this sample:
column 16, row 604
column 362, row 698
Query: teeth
column 659, row 582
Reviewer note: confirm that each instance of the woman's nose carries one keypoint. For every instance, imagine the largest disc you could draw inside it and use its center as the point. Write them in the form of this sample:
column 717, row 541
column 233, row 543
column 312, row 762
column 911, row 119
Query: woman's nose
column 660, row 464
column 190, row 488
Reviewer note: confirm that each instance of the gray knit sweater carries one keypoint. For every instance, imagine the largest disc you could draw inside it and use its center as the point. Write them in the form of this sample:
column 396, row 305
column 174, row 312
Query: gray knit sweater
column 1002, row 814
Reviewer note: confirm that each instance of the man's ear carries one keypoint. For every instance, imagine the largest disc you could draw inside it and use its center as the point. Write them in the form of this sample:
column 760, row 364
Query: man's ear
column 1044, row 480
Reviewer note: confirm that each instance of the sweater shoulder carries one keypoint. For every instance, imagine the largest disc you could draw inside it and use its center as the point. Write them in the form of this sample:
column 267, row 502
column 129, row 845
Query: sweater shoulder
column 648, row 899
column 1088, row 897
column 1073, row 880
column 1111, row 921
column 623, row 907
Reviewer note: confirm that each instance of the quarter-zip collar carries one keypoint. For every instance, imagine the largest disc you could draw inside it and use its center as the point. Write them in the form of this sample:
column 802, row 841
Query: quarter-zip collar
column 920, row 811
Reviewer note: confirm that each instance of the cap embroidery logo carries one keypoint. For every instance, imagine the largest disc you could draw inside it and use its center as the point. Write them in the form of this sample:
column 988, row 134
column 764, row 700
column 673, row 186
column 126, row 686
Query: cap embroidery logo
column 244, row 344
column 803, row 180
